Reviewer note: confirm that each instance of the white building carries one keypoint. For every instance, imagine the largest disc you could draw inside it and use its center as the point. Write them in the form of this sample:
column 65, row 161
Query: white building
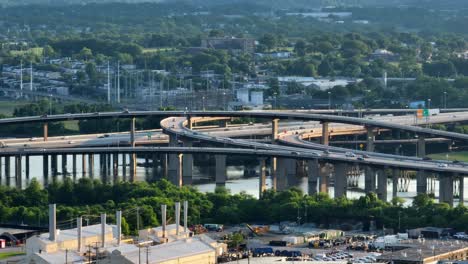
column 256, row 98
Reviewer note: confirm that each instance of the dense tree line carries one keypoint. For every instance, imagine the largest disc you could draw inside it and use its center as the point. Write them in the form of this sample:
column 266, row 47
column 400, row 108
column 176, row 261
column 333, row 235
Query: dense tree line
column 91, row 197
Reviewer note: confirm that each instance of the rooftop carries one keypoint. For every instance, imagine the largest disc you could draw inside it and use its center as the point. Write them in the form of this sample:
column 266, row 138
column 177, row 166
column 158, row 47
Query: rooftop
column 71, row 234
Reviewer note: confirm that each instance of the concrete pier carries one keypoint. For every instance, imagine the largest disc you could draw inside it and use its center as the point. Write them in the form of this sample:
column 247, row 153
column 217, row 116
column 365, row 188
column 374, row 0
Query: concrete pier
column 396, row 176
column 341, row 170
column 323, row 176
column 382, row 184
column 370, row 146
column 187, row 163
column 446, row 188
column 421, row 146
column 27, row 169
column 18, row 167
column 221, row 171
column 274, row 172
column 325, row 140
column 313, row 173
column 369, row 179
column 133, row 166
column 461, row 191
column 53, row 164
column 45, row 165
column 64, row 164
column 175, row 169
column 45, row 129
column 83, row 165
column 274, row 130
column 74, row 165
column 91, row 165
column 281, row 181
column 115, row 164
column 421, row 182
column 262, row 176
column 132, row 132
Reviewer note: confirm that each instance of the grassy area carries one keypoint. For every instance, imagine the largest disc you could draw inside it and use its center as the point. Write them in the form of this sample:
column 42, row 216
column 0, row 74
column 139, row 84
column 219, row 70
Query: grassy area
column 460, row 156
column 71, row 125
column 154, row 50
column 5, row 255
column 7, row 107
column 35, row 51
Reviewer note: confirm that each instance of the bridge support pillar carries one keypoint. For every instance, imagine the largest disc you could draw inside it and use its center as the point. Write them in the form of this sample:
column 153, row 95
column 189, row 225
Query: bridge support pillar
column 274, row 129
column 91, row 164
column 74, row 165
column 187, row 163
column 274, row 172
column 223, row 123
column 189, row 122
column 341, row 170
column 1, row 172
column 124, row 166
column 221, row 172
column 396, row 177
column 83, row 165
column 45, row 165
column 175, row 169
column 421, row 182
column 7, row 170
column 133, row 166
column 115, row 164
column 27, row 166
column 461, row 190
column 45, row 131
column 64, row 164
column 18, row 167
column 291, row 178
column 324, row 173
column 262, row 177
column 313, row 172
column 421, row 147
column 370, row 140
column 369, row 179
column 325, row 140
column 132, row 132
column 54, row 164
column 446, row 189
column 382, row 184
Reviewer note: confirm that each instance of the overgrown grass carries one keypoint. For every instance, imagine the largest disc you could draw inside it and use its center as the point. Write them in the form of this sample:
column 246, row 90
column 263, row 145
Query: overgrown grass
column 5, row 255
column 460, row 156
column 7, row 107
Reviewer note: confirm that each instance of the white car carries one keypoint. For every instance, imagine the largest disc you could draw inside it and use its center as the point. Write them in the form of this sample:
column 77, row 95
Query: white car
column 350, row 155
column 442, row 165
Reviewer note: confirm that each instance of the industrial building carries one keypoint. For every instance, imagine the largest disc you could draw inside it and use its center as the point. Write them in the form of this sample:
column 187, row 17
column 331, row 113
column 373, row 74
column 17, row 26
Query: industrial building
column 101, row 243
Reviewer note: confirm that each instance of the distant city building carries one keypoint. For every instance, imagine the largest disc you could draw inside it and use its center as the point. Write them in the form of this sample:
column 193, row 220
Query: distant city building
column 246, row 45
column 319, row 83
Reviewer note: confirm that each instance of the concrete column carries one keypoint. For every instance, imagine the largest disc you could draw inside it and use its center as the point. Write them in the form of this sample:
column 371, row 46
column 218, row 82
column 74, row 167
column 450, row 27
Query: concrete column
column 396, row 176
column 189, row 123
column 64, row 164
column 91, row 164
column 324, row 173
column 27, row 166
column 79, row 236
column 421, row 146
column 108, row 165
column 281, row 181
column 325, row 134
column 274, row 129
column 83, row 164
column 132, row 132
column 421, row 182
column 102, row 163
column 382, row 184
column 18, row 167
column 369, row 179
column 262, row 177
column 462, row 190
column 340, row 179
column 46, row 131
column 45, row 165
column 291, row 177
column 1, row 172
column 74, row 165
column 274, row 172
column 7, row 167
column 133, row 166
column 221, row 172
column 115, row 164
column 370, row 139
column 54, row 164
column 175, row 169
column 187, row 163
column 446, row 189
column 313, row 172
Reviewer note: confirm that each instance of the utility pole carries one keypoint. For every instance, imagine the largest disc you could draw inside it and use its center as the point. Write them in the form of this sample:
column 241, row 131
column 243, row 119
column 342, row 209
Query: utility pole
column 108, row 83
column 21, row 75
column 138, row 218
column 147, row 254
column 118, row 82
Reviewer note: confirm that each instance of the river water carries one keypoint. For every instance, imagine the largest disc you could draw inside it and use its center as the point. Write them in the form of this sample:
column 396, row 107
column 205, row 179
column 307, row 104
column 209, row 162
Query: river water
column 236, row 181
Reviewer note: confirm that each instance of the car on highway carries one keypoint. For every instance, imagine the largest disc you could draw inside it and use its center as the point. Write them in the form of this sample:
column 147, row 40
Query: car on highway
column 33, row 139
column 44, row 116
column 442, row 165
column 295, row 153
column 326, row 152
column 360, row 158
column 365, row 156
column 350, row 154
column 315, row 154
column 71, row 142
column 427, row 158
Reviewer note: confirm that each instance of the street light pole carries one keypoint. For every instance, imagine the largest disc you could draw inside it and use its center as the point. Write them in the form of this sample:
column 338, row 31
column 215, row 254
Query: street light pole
column 329, row 100
column 445, row 100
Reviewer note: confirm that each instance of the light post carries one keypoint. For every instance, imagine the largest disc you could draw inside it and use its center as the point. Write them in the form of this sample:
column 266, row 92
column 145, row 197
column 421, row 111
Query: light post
column 416, row 136
column 445, row 100
column 276, row 98
column 224, row 101
column 429, row 103
column 50, row 104
column 329, row 100
column 203, row 103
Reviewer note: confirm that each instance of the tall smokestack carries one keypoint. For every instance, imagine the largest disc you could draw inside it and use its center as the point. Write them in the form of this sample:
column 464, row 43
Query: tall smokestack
column 79, row 224
column 163, row 216
column 103, row 229
column 118, row 217
column 52, row 222
column 177, row 217
column 185, row 216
